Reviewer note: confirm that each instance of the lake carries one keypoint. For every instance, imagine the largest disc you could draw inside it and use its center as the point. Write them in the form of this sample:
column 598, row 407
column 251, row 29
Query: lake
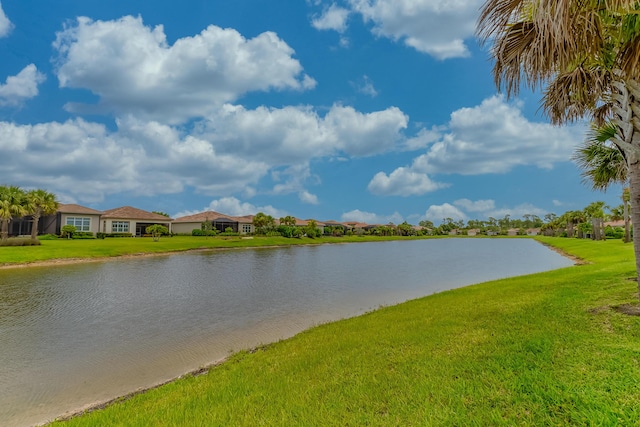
column 74, row 335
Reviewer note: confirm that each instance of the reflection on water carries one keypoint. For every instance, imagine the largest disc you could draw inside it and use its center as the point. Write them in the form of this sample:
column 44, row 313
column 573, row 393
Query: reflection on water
column 74, row 335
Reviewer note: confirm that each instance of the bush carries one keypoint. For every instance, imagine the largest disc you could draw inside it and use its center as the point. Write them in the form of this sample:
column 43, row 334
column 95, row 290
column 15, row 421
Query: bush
column 200, row 232
column 118, row 235
column 100, row 235
column 20, row 242
column 47, row 237
column 83, row 235
column 285, row 231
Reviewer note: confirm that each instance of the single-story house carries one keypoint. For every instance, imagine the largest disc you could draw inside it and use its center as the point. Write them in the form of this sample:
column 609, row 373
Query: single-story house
column 220, row 222
column 355, row 225
column 83, row 218
column 127, row 219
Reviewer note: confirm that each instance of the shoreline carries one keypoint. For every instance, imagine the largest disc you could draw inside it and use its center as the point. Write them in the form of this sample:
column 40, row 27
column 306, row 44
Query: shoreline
column 96, row 406
column 71, row 261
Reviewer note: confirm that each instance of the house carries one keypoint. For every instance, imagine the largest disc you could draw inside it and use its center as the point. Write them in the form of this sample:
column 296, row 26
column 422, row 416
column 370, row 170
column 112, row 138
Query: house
column 220, row 222
column 305, row 222
column 355, row 226
column 127, row 219
column 83, row 218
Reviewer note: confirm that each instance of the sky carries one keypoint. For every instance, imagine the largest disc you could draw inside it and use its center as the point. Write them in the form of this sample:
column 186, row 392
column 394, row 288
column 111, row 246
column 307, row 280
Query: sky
column 351, row 110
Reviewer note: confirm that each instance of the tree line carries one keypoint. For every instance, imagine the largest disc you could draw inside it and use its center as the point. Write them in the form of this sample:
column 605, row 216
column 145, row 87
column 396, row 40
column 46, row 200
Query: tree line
column 17, row 203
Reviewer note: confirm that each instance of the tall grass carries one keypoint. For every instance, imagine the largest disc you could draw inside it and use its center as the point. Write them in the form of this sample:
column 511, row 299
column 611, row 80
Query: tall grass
column 544, row 349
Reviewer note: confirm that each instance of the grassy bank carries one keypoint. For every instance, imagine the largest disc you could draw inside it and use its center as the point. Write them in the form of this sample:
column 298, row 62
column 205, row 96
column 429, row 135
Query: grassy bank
column 544, row 349
column 112, row 247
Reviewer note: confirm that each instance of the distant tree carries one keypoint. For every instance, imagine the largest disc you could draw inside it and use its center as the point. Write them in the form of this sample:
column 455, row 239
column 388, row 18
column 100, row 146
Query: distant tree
column 595, row 212
column 405, row 229
column 161, row 213
column 39, row 202
column 263, row 223
column 288, row 220
column 426, row 224
column 12, row 204
column 207, row 227
column 156, row 230
column 311, row 229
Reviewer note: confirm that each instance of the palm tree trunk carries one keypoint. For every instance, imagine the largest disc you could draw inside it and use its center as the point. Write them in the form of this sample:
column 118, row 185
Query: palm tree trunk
column 634, row 187
column 34, row 226
column 627, row 228
column 4, row 233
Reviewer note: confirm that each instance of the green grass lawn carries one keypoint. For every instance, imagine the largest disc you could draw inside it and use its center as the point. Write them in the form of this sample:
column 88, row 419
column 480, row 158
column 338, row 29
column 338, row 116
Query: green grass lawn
column 538, row 350
column 111, row 247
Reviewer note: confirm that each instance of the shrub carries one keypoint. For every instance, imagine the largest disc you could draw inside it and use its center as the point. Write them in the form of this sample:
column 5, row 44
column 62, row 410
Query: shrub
column 285, row 230
column 20, row 242
column 68, row 230
column 100, row 235
column 118, row 235
column 200, row 232
column 83, row 235
column 47, row 237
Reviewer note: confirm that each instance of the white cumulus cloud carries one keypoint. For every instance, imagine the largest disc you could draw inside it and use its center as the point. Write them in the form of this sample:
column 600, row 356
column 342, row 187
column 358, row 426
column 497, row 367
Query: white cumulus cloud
column 437, row 213
column 21, row 87
column 133, row 69
column 333, row 18
column 436, row 27
column 306, row 197
column 477, row 206
column 495, row 137
column 371, row 218
column 233, row 207
column 5, row 25
column 403, row 182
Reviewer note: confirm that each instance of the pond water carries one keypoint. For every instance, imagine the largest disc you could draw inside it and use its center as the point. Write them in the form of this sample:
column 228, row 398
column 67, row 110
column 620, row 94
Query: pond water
column 79, row 334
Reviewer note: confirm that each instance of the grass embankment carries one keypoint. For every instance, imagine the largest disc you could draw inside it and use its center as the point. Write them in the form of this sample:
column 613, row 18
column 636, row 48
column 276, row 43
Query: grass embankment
column 113, row 247
column 544, row 349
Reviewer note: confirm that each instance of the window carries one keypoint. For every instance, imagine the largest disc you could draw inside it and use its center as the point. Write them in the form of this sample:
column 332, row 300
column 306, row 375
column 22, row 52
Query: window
column 246, row 228
column 80, row 223
column 120, row 227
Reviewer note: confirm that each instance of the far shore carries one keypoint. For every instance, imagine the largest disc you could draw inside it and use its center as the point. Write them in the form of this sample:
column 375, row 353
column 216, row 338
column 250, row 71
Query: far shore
column 89, row 251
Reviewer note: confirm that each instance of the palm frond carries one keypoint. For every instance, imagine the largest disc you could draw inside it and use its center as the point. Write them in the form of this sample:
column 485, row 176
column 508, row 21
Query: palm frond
column 602, row 162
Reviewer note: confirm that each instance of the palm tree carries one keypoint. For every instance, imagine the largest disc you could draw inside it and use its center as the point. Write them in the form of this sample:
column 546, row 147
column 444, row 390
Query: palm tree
column 603, row 164
column 40, row 202
column 11, row 205
column 585, row 54
column 601, row 161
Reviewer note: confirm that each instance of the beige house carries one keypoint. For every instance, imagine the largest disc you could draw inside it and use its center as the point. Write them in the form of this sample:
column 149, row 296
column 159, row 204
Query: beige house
column 220, row 222
column 127, row 219
column 82, row 218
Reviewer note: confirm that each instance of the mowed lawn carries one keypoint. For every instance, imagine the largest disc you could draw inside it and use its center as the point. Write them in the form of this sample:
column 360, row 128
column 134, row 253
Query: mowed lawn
column 112, row 247
column 539, row 350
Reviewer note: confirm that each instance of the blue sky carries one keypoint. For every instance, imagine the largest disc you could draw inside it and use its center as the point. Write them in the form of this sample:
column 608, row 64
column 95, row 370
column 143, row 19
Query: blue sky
column 368, row 110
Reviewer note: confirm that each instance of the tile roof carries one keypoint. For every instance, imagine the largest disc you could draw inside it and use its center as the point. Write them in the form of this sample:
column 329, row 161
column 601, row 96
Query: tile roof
column 213, row 215
column 128, row 212
column 304, row 222
column 77, row 209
